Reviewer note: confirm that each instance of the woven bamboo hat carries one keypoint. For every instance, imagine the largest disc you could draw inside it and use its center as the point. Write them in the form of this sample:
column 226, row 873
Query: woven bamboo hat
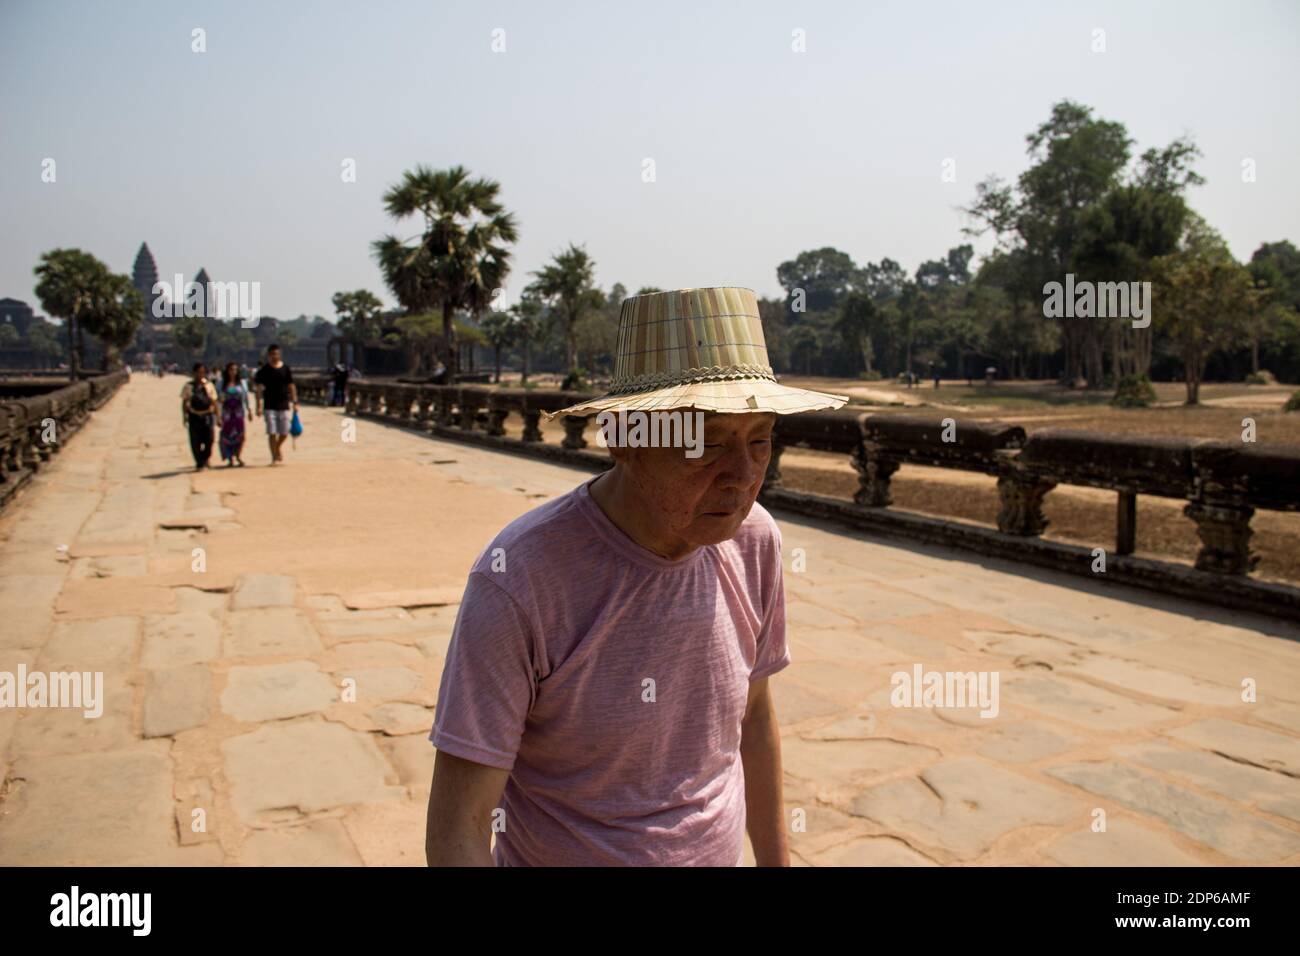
column 696, row 348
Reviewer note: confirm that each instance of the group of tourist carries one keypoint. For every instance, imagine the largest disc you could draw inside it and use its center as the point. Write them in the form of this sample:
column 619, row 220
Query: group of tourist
column 207, row 409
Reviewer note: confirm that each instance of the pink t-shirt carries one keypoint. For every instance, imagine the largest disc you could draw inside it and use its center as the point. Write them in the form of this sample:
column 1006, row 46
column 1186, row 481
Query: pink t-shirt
column 611, row 683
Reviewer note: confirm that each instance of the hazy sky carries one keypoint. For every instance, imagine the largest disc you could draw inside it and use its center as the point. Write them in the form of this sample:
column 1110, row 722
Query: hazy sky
column 231, row 159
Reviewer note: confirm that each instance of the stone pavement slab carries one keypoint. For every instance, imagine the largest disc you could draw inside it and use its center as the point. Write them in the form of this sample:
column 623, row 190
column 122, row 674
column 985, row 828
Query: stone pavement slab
column 224, row 677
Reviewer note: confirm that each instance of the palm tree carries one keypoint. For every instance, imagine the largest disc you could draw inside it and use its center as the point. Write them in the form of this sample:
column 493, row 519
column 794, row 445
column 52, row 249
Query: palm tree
column 65, row 286
column 461, row 257
column 499, row 331
column 357, row 312
column 567, row 283
column 116, row 307
column 526, row 315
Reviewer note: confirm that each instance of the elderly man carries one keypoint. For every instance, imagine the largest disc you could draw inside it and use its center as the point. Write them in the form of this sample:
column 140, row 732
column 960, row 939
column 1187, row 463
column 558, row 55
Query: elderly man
column 605, row 696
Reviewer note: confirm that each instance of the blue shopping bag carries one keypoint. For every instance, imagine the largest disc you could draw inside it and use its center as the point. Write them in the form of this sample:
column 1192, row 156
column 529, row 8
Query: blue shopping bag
column 295, row 428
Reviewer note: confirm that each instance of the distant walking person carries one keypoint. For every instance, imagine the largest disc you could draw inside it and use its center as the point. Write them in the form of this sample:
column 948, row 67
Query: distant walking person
column 234, row 411
column 198, row 409
column 340, row 396
column 277, row 394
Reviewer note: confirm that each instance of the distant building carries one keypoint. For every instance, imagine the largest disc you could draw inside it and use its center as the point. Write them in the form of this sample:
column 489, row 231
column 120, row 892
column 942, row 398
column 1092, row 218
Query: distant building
column 155, row 333
column 19, row 355
column 16, row 313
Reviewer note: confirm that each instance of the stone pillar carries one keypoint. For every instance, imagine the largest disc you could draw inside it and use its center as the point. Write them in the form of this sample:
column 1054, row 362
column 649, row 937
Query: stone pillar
column 32, row 452
column 874, row 475
column 422, row 402
column 498, row 412
column 445, row 397
column 9, row 457
column 532, row 424
column 1022, row 504
column 1225, row 538
column 1126, row 523
column 573, row 429
column 398, row 403
column 469, row 409
column 353, row 400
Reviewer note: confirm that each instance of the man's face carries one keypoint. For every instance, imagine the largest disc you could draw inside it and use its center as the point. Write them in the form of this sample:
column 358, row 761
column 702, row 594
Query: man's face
column 703, row 500
column 199, row 373
column 273, row 355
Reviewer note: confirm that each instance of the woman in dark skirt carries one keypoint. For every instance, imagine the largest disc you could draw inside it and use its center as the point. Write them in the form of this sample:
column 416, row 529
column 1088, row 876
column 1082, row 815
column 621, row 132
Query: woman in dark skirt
column 234, row 409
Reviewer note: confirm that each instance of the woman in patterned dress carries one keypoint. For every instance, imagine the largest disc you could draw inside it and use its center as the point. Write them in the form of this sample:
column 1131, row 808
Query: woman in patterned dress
column 234, row 410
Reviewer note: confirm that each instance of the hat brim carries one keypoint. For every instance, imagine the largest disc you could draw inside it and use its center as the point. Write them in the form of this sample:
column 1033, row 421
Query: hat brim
column 734, row 397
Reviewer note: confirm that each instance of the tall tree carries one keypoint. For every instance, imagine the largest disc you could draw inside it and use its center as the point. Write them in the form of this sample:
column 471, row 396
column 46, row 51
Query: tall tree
column 824, row 276
column 1205, row 299
column 66, row 285
column 116, row 307
column 527, row 317
column 857, row 322
column 567, row 284
column 1075, row 160
column 499, row 332
column 1135, row 222
column 462, row 255
column 358, row 314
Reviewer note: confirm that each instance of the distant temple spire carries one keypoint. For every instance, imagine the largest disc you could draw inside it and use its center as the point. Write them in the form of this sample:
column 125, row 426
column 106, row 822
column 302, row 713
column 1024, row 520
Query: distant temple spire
column 154, row 332
column 145, row 272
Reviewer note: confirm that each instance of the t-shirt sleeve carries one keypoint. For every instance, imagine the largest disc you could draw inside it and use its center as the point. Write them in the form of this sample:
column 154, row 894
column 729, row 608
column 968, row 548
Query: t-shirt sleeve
column 773, row 652
column 488, row 680
column 258, row 377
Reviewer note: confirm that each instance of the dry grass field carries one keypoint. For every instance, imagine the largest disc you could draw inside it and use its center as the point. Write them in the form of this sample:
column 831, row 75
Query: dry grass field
column 1079, row 515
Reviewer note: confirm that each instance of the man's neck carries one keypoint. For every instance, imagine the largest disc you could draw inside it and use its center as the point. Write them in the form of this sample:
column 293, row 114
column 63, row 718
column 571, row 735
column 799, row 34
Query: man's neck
column 621, row 505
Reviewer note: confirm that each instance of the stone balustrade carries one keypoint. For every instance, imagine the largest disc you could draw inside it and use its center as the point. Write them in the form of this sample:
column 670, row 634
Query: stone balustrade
column 1222, row 483
column 35, row 422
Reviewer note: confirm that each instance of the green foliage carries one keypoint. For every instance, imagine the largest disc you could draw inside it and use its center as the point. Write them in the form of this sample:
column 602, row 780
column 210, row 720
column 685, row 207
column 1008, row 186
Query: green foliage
column 358, row 314
column 819, row 279
column 1134, row 391
column 567, row 284
column 1073, row 210
column 1292, row 403
column 190, row 332
column 575, row 381
column 498, row 330
column 461, row 258
column 1206, row 298
column 43, row 339
column 75, row 286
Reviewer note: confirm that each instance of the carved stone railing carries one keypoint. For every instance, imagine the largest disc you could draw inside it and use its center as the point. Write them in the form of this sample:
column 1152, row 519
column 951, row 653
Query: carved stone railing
column 1223, row 484
column 34, row 428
